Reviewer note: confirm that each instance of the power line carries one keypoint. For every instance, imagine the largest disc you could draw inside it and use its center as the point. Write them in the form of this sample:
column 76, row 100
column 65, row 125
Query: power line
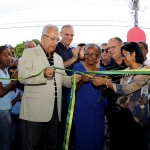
column 64, row 21
column 37, row 26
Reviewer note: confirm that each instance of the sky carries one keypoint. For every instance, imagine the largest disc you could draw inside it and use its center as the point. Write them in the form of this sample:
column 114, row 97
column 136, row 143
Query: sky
column 94, row 21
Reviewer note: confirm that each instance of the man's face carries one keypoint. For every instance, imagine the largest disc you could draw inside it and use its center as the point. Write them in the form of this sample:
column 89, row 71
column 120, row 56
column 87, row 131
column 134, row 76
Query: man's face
column 50, row 40
column 67, row 36
column 114, row 48
column 105, row 53
column 144, row 51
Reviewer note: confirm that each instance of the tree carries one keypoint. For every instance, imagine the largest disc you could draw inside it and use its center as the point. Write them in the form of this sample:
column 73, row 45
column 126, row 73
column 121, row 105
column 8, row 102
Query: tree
column 19, row 49
column 36, row 41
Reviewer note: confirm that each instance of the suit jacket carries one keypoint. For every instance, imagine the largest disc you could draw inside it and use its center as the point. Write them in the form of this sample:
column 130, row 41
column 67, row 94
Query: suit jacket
column 39, row 92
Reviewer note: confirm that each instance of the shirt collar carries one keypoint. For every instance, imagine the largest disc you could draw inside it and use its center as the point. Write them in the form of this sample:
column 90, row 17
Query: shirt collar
column 70, row 47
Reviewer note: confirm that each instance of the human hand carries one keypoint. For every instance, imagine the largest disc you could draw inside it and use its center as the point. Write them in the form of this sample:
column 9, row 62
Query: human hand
column 15, row 76
column 86, row 77
column 49, row 72
column 75, row 52
column 98, row 81
column 81, row 52
column 78, row 78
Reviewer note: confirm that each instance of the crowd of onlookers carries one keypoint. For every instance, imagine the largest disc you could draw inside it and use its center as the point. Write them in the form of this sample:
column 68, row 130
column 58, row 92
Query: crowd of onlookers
column 11, row 94
column 34, row 103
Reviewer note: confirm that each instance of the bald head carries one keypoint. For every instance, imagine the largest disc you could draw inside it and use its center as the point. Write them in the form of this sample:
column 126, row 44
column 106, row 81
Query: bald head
column 30, row 44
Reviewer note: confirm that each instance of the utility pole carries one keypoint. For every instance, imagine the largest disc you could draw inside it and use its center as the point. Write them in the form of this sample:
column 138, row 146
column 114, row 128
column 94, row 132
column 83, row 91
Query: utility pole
column 134, row 5
column 135, row 34
column 136, row 8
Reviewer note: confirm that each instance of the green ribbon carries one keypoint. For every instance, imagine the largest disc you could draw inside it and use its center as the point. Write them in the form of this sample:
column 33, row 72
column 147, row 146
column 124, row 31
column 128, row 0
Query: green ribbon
column 141, row 71
column 69, row 116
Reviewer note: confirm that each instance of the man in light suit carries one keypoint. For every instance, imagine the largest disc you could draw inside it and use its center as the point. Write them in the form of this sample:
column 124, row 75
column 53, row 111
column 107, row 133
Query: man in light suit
column 41, row 102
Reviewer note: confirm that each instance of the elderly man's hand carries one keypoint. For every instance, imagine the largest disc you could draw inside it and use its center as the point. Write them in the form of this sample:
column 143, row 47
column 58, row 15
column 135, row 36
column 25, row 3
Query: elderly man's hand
column 49, row 72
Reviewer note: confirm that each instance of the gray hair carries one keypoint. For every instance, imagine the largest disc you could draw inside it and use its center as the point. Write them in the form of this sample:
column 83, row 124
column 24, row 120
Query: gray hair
column 120, row 42
column 48, row 27
column 66, row 26
column 91, row 45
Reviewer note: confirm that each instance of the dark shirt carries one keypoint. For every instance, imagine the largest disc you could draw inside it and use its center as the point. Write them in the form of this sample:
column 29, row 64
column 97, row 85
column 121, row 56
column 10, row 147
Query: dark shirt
column 111, row 95
column 101, row 64
column 66, row 54
column 51, row 62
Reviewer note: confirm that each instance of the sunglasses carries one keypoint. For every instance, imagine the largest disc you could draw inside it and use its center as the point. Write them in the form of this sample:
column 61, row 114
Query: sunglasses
column 105, row 50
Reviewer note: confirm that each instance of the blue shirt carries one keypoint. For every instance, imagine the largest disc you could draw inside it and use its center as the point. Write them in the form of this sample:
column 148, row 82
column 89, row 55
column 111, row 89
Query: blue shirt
column 66, row 54
column 5, row 101
column 16, row 107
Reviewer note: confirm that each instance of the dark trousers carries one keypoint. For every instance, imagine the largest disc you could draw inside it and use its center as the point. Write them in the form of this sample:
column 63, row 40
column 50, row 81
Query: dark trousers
column 147, row 136
column 41, row 135
column 125, row 132
column 15, row 132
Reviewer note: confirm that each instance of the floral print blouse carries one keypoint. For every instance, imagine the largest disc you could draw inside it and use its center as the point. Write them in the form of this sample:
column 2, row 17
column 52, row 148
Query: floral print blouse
column 134, row 91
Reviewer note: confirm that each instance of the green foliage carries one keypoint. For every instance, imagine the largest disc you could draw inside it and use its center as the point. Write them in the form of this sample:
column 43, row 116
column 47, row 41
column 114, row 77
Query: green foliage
column 20, row 47
column 37, row 42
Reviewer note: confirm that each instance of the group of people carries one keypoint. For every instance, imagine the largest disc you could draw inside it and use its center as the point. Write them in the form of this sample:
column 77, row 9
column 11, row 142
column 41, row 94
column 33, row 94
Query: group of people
column 121, row 99
column 11, row 92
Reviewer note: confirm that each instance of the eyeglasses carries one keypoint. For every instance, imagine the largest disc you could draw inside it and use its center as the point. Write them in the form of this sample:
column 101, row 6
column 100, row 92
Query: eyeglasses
column 105, row 50
column 112, row 47
column 125, row 55
column 51, row 38
column 90, row 55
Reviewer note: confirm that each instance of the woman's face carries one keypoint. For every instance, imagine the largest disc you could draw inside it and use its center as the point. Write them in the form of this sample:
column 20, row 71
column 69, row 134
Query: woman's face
column 4, row 58
column 90, row 55
column 128, row 58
